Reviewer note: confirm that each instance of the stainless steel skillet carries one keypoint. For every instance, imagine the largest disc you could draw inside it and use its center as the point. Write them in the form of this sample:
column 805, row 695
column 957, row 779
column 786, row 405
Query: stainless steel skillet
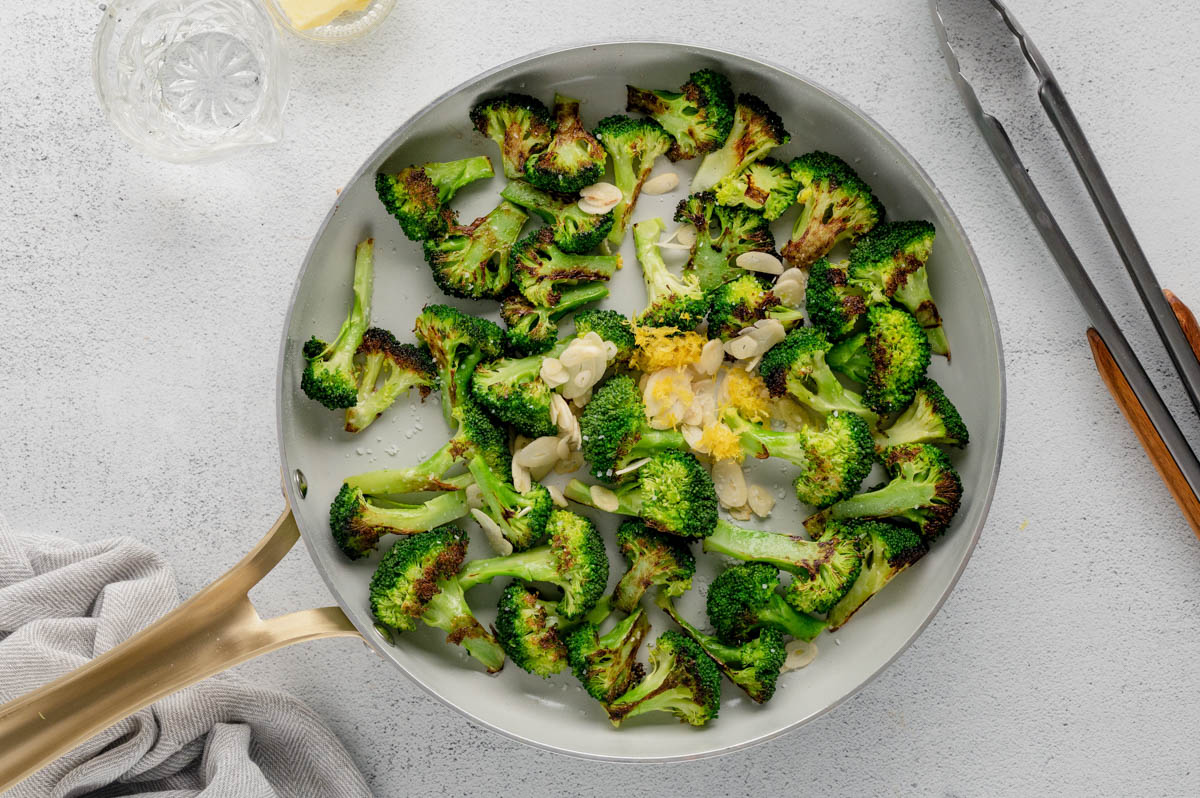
column 219, row 627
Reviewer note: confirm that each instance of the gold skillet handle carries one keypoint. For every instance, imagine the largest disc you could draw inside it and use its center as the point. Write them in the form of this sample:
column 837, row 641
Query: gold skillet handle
column 211, row 632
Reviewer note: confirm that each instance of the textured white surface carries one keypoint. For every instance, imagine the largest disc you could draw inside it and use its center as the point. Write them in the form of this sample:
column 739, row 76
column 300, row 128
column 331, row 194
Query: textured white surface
column 142, row 303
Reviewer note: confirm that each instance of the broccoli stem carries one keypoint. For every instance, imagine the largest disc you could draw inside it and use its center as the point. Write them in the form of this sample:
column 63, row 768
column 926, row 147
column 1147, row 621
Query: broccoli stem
column 448, row 611
column 894, row 498
column 409, row 518
column 576, row 297
column 535, row 565
column 798, row 625
column 654, row 269
column 492, row 489
column 755, row 545
column 425, row 476
column 653, row 441
column 450, row 176
column 776, row 443
column 341, row 351
column 543, row 204
column 711, row 645
column 629, row 501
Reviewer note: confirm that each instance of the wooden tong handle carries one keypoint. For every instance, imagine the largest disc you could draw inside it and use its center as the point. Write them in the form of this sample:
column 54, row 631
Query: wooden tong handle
column 1135, row 414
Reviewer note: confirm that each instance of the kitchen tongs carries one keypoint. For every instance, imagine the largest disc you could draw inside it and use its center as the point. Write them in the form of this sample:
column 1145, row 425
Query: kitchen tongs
column 1118, row 364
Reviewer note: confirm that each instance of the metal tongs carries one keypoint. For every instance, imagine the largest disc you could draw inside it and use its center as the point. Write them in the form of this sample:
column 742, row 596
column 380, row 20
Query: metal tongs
column 1176, row 326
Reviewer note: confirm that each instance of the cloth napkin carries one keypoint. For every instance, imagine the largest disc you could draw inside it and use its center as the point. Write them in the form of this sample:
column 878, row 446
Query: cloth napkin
column 62, row 603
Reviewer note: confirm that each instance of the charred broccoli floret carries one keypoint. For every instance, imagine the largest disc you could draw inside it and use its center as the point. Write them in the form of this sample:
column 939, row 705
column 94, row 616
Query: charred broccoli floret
column 930, row 418
column 615, row 431
column 419, row 196
column 753, row 666
column 472, row 262
column 833, row 461
column 523, row 517
column 329, row 376
column 606, row 665
column 741, row 302
column 889, row 358
column 533, row 329
column 512, row 389
column 457, row 342
column 796, row 366
column 541, row 271
column 528, row 631
column 722, row 234
column 357, row 522
column 574, row 560
column 834, row 305
column 699, row 116
column 818, row 592
column 633, row 145
column 654, row 559
column 756, row 131
column 670, row 301
column 476, row 435
column 682, row 681
column 415, row 581
column 575, row 230
column 673, row 494
column 838, row 206
column 889, row 263
column 572, row 159
column 389, row 369
column 766, row 185
column 518, row 123
column 744, row 598
column 887, row 550
column 925, row 491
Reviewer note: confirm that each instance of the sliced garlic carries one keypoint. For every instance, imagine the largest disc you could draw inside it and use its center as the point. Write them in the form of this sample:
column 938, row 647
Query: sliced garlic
column 604, row 499
column 730, row 483
column 524, row 511
column 661, row 184
column 799, row 655
column 522, row 480
column 691, row 434
column 763, row 262
column 601, row 194
column 767, row 332
column 789, row 288
column 564, row 449
column 571, row 464
column 711, row 357
column 556, row 496
column 740, row 513
column 474, row 496
column 671, row 245
column 686, row 235
column 760, row 500
column 539, row 452
column 742, row 347
column 634, row 466
column 493, row 533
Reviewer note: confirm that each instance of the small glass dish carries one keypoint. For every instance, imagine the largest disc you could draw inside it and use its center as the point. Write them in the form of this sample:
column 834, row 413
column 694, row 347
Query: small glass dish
column 347, row 26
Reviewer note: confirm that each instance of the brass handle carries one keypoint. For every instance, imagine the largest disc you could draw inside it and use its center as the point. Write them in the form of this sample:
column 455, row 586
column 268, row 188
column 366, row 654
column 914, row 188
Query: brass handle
column 212, row 631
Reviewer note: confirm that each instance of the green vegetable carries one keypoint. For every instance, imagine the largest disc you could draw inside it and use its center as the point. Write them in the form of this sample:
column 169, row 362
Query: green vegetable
column 389, row 369
column 518, row 123
column 699, row 116
column 418, row 196
column 838, row 206
column 329, row 376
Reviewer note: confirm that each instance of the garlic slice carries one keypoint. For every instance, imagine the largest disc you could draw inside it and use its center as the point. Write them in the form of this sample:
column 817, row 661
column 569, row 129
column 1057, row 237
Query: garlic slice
column 604, row 499
column 661, row 184
column 757, row 261
column 493, row 533
column 799, row 655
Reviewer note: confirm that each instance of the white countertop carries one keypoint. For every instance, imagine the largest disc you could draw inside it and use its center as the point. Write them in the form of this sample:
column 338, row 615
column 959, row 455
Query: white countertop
column 141, row 305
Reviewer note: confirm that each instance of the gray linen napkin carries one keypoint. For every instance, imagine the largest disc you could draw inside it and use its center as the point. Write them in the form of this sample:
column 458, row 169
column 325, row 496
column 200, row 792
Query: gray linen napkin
column 62, row 603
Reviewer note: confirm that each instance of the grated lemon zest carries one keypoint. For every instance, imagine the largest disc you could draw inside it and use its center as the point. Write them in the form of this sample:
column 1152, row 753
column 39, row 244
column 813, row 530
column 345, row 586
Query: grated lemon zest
column 748, row 393
column 665, row 347
column 719, row 441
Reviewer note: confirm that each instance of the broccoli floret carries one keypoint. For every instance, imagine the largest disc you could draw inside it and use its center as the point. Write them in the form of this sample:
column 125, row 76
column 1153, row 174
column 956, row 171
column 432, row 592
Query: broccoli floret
column 889, row 263
column 523, row 517
column 615, row 432
column 532, row 329
column 574, row 560
column 633, row 145
column 753, row 666
column 573, row 158
column 575, row 230
column 930, row 418
column 358, row 522
column 541, row 270
column 699, row 116
column 838, row 206
column 796, row 366
column 606, row 665
column 389, row 369
column 833, row 461
column 925, row 491
column 743, row 301
column 887, row 550
column 418, row 196
column 722, row 234
column 673, row 494
column 670, row 301
column 834, row 306
column 527, row 630
column 765, row 185
column 654, row 559
column 457, row 342
column 512, row 390
column 476, row 435
column 889, row 357
column 756, row 131
column 682, row 681
column 329, row 376
column 473, row 262
column 518, row 123
column 415, row 580
column 827, row 565
column 819, row 592
column 743, row 599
